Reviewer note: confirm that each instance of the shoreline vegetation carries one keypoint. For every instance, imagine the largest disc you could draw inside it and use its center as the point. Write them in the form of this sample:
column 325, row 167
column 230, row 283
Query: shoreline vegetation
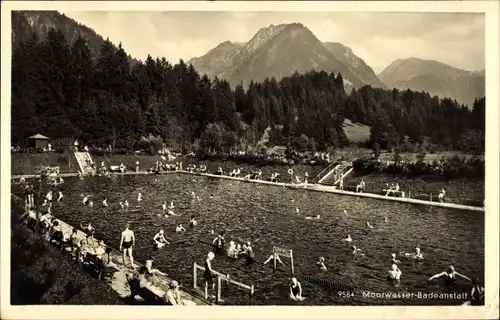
column 42, row 275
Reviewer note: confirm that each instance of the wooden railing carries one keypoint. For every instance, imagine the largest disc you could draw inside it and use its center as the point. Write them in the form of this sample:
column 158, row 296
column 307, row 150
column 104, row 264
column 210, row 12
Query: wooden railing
column 220, row 278
column 318, row 176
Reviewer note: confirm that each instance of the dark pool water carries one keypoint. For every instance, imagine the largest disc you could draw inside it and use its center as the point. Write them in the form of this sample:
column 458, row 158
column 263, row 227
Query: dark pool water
column 266, row 216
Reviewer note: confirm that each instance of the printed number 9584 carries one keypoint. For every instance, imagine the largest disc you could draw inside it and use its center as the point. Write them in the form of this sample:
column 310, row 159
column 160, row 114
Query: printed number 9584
column 345, row 294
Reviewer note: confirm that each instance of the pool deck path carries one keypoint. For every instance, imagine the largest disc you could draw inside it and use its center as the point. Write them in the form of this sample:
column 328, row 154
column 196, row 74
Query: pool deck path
column 311, row 187
column 119, row 280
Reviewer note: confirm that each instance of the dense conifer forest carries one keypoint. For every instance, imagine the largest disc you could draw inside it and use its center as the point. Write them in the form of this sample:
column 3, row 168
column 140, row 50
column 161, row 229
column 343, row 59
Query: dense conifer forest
column 62, row 90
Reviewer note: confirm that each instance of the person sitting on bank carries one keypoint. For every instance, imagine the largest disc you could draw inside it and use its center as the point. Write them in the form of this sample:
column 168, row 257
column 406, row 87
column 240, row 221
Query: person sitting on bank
column 441, row 195
column 149, row 266
column 107, row 259
column 220, row 172
column 361, row 186
column 296, row 290
column 173, row 295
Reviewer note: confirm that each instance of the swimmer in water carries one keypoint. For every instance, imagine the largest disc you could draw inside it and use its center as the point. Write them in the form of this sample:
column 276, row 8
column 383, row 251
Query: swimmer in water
column 193, row 223
column 180, row 228
column 171, row 206
column 218, row 242
column 369, row 225
column 159, row 240
column 60, row 196
column 271, row 257
column 170, row 212
column 321, row 264
column 164, row 206
column 386, row 219
column 85, row 200
column 356, row 251
column 450, row 274
column 394, row 273
column 394, row 260
column 105, row 202
column 126, row 204
column 345, row 212
column 477, row 293
column 139, row 197
column 250, row 254
column 231, row 251
column 296, row 290
column 91, row 204
column 121, row 205
column 127, row 241
column 348, row 239
column 414, row 255
column 313, row 218
column 297, row 210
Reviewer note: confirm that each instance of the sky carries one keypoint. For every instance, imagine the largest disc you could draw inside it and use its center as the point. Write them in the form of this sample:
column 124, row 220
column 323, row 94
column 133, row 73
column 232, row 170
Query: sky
column 457, row 39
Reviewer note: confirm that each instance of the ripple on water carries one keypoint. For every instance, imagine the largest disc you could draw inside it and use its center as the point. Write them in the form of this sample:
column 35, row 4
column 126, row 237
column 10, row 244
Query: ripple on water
column 266, row 216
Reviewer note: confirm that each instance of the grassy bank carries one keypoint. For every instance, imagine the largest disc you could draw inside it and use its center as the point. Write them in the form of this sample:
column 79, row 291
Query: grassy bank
column 25, row 163
column 42, row 275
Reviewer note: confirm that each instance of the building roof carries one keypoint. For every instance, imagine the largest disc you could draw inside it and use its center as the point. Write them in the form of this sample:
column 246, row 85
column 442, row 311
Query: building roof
column 38, row 136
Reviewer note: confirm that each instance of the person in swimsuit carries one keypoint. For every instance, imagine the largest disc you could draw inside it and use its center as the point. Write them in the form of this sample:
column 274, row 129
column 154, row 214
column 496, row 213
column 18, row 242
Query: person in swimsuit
column 296, row 290
column 394, row 273
column 250, row 254
column 356, row 251
column 89, row 229
column 394, row 260
column 126, row 243
column 60, row 197
column 231, row 251
column 149, row 266
column 348, row 239
column 477, row 293
column 218, row 242
column 159, row 240
column 180, row 228
column 193, row 221
column 173, row 296
column 207, row 274
column 271, row 257
column 450, row 274
column 321, row 264
column 105, row 202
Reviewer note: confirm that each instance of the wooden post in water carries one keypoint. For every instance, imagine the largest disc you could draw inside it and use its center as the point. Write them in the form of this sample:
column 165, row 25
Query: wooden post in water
column 274, row 257
column 194, row 275
column 252, row 290
column 291, row 258
column 219, row 283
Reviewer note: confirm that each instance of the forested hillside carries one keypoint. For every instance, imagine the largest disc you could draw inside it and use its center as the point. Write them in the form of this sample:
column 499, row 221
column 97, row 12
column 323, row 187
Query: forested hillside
column 60, row 91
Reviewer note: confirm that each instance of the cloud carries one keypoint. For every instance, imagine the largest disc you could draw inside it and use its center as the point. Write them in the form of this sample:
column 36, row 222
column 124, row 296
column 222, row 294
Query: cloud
column 379, row 38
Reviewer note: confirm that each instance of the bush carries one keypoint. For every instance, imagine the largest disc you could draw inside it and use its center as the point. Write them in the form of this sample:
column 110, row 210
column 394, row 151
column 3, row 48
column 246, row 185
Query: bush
column 452, row 167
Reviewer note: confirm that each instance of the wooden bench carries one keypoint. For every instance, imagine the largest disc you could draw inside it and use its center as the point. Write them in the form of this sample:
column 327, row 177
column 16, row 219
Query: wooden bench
column 96, row 264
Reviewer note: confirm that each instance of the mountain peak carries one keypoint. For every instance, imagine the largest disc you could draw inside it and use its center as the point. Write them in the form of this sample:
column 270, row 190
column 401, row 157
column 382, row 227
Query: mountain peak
column 434, row 77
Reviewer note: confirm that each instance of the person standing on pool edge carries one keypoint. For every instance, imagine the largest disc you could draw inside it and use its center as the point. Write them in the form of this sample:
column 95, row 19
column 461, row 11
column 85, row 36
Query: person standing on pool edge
column 126, row 243
column 207, row 275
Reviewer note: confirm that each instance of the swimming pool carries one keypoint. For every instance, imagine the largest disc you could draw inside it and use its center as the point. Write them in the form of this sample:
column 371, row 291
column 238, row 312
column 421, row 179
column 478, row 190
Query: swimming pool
column 266, row 216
